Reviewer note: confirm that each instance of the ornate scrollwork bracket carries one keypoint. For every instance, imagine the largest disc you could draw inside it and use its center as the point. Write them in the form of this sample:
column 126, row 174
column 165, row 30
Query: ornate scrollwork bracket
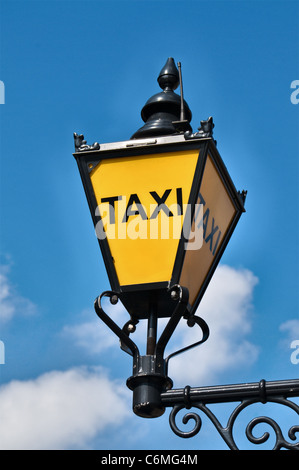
column 177, row 293
column 153, row 392
column 149, row 378
column 247, row 394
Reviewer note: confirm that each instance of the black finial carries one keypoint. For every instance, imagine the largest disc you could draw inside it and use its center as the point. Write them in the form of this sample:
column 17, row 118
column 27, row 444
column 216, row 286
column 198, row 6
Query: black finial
column 163, row 109
column 169, row 76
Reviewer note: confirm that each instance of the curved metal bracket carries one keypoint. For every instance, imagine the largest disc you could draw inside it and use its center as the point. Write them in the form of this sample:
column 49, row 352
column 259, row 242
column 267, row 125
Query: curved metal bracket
column 227, row 432
column 177, row 293
column 123, row 334
column 149, row 378
column 182, row 295
column 191, row 321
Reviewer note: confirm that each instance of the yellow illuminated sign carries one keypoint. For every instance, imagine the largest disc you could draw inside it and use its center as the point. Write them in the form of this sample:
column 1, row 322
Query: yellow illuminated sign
column 141, row 201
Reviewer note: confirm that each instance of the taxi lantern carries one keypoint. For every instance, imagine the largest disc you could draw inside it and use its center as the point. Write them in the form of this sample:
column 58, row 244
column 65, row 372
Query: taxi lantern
column 164, row 208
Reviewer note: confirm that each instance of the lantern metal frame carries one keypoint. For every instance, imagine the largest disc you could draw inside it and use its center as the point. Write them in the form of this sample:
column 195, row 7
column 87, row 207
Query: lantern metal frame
column 137, row 298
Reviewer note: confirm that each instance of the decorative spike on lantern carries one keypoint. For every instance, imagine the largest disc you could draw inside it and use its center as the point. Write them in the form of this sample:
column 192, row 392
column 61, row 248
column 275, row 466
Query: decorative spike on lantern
column 162, row 113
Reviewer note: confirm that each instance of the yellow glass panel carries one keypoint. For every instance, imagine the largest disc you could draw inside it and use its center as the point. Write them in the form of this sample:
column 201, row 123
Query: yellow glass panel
column 214, row 221
column 140, row 199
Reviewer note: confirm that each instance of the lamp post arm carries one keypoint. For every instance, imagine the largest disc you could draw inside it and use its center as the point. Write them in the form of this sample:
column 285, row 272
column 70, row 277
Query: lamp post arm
column 229, row 393
column 246, row 394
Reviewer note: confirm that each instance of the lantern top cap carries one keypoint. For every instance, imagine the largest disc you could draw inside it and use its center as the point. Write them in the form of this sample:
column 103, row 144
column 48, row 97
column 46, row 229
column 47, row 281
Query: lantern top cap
column 162, row 112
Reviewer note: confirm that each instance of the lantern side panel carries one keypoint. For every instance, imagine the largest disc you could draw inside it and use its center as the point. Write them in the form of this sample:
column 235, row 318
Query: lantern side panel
column 214, row 220
column 141, row 201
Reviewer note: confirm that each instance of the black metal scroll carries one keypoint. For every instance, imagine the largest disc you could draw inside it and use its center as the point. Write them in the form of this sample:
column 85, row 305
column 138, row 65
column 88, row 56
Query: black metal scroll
column 247, row 394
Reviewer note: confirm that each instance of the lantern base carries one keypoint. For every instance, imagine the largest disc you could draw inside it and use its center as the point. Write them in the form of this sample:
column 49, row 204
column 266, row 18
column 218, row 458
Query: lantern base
column 147, row 385
column 138, row 299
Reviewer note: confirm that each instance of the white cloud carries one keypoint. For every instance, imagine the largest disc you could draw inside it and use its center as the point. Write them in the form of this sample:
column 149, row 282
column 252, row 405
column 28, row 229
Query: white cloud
column 59, row 410
column 11, row 302
column 91, row 333
column 227, row 309
column 291, row 327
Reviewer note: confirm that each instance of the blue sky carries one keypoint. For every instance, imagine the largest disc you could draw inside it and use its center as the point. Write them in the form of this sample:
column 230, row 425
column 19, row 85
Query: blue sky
column 89, row 67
